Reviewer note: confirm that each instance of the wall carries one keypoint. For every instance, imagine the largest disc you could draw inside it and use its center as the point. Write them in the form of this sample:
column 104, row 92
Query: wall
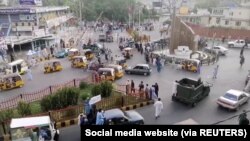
column 183, row 36
column 220, row 32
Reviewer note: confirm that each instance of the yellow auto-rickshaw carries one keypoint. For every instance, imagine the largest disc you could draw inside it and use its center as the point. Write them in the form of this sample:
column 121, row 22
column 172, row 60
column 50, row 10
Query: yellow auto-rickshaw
column 73, row 52
column 190, row 65
column 11, row 81
column 121, row 61
column 118, row 70
column 106, row 74
column 89, row 54
column 52, row 66
column 127, row 52
column 79, row 62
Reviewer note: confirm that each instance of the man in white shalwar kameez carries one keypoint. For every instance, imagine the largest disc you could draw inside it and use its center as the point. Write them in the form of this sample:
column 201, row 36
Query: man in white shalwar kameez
column 158, row 108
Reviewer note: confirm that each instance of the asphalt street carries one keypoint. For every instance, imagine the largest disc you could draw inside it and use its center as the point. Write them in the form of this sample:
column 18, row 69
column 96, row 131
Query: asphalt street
column 230, row 76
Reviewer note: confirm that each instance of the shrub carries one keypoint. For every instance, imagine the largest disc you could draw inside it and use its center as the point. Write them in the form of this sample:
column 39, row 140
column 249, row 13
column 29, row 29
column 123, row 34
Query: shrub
column 96, row 90
column 106, row 88
column 61, row 99
column 84, row 96
column 46, row 103
column 83, row 85
column 6, row 114
column 23, row 108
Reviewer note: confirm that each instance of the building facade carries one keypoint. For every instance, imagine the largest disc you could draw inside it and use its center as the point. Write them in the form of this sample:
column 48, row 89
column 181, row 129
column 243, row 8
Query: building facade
column 236, row 18
column 21, row 25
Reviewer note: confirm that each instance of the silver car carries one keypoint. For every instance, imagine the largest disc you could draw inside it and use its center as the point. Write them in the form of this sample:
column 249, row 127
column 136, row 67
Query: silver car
column 233, row 99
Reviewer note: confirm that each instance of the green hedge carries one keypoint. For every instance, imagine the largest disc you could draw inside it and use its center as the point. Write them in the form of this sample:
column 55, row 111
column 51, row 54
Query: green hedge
column 61, row 99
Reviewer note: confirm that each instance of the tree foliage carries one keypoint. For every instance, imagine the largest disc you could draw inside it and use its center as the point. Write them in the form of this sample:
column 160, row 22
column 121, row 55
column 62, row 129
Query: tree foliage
column 117, row 10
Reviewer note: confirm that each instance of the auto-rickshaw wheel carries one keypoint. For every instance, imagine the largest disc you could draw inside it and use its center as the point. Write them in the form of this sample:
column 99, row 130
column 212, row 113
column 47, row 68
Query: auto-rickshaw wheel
column 21, row 86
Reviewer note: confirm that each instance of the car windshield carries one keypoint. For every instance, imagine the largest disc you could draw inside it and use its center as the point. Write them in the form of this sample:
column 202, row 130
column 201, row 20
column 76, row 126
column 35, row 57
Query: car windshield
column 230, row 96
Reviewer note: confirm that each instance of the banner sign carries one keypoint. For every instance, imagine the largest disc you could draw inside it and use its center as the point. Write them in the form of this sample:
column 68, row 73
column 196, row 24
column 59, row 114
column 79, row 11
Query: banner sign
column 157, row 4
column 15, row 11
column 172, row 132
column 30, row 2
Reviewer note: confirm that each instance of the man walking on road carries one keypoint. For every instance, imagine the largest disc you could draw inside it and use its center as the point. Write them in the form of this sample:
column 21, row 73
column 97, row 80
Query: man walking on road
column 215, row 72
column 242, row 60
column 158, row 108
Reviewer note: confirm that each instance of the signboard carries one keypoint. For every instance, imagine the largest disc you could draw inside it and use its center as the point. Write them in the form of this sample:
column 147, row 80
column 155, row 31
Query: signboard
column 184, row 10
column 95, row 99
column 157, row 4
column 39, row 32
column 22, row 28
column 30, row 2
column 27, row 17
column 15, row 11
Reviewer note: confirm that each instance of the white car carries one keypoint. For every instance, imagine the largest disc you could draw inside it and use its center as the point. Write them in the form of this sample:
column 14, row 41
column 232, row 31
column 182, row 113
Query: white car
column 233, row 99
column 219, row 49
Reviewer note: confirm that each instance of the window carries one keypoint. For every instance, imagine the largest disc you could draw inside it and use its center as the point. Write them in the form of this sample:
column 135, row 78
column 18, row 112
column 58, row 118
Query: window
column 226, row 22
column 217, row 20
column 22, row 24
column 28, row 24
column 231, row 13
column 16, row 24
column 35, row 24
column 238, row 23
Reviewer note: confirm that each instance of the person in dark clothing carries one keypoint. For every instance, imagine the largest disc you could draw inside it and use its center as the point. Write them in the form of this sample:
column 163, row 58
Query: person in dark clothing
column 132, row 86
column 156, row 89
column 141, row 86
column 52, row 50
column 12, row 58
column 243, row 118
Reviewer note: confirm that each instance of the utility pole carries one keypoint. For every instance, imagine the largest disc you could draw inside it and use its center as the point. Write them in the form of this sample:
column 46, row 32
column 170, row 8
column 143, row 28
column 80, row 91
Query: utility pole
column 172, row 28
column 80, row 14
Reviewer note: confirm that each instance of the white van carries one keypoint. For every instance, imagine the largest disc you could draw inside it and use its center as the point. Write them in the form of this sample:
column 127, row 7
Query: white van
column 33, row 129
column 18, row 66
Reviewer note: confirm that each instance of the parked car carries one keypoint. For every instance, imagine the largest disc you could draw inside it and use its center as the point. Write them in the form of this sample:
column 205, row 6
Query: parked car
column 142, row 69
column 219, row 49
column 119, row 117
column 63, row 53
column 233, row 99
column 238, row 44
column 96, row 48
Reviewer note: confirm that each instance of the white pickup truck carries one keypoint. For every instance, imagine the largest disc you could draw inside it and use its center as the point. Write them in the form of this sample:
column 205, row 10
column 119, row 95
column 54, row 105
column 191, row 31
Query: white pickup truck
column 238, row 44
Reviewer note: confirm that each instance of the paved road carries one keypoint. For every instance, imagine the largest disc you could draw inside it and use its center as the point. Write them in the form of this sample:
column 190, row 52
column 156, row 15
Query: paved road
column 230, row 75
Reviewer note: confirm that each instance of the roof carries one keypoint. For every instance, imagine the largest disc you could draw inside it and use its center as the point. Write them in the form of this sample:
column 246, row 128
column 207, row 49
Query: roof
column 79, row 57
column 10, row 75
column 19, row 61
column 235, row 92
column 189, row 121
column 114, row 66
column 113, row 113
column 33, row 9
column 74, row 49
column 144, row 65
column 30, row 121
column 106, row 69
column 128, row 48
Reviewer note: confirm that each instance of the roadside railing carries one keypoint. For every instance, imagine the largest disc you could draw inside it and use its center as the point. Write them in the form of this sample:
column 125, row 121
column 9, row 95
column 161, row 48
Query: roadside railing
column 40, row 94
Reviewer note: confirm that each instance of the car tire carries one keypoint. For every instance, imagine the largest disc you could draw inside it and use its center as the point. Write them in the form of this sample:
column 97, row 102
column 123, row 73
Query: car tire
column 128, row 72
column 230, row 46
column 194, row 104
column 145, row 73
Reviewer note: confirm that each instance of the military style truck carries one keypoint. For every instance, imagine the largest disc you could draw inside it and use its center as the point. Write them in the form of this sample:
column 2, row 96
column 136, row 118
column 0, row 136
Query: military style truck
column 191, row 91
